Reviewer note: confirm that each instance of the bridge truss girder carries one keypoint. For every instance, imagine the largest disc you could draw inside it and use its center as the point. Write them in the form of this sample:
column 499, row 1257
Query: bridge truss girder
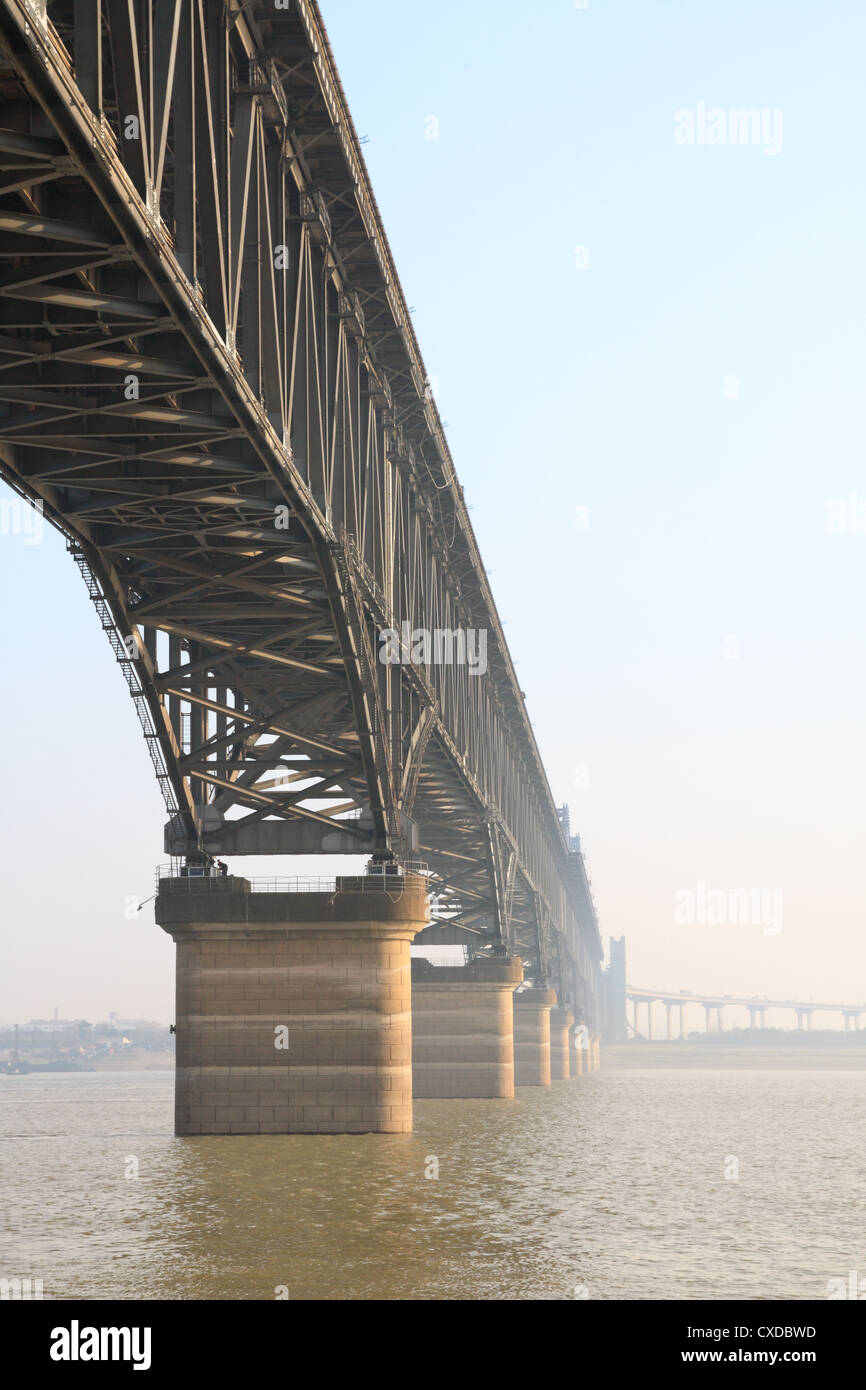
column 210, row 383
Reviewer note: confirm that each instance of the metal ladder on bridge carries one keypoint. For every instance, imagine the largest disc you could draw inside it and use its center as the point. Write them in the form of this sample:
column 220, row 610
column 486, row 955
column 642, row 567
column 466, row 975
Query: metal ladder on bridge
column 128, row 666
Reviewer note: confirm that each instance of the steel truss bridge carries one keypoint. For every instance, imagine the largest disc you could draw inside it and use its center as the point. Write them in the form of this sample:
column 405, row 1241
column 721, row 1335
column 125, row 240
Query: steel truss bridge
column 210, row 383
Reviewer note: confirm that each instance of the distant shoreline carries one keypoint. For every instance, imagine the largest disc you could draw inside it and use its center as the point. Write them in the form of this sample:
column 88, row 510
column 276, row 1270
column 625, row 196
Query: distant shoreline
column 141, row 1061
column 144, row 1061
column 672, row 1056
column 632, row 1056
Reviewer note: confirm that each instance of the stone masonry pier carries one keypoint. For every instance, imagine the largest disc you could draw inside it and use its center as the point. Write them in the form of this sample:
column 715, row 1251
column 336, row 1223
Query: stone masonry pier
column 293, row 1009
column 560, row 1049
column 462, row 1027
column 532, row 1036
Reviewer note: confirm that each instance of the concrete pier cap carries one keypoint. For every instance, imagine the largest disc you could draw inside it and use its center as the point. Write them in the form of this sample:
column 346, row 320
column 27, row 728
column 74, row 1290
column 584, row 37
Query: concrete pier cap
column 293, row 1011
column 532, row 1008
column 462, row 1027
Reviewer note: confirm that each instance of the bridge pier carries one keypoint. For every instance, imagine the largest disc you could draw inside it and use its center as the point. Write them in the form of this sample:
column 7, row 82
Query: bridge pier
column 577, row 1051
column 532, row 1036
column 463, row 1027
column 560, row 1049
column 293, row 1008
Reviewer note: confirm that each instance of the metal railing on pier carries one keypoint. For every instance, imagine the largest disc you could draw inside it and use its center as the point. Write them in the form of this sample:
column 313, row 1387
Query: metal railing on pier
column 199, row 879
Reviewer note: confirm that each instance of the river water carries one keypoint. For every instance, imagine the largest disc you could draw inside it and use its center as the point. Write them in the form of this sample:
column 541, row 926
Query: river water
column 611, row 1186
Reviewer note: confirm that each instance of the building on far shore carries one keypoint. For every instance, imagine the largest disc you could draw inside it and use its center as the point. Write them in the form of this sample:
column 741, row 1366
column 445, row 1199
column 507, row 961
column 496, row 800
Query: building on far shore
column 127, row 1025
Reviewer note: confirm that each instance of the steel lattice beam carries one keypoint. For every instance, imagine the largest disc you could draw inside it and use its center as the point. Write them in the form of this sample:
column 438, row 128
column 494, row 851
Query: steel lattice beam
column 210, row 382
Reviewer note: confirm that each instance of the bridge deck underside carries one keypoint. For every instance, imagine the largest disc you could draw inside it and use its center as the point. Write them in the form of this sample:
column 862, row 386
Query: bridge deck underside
column 209, row 382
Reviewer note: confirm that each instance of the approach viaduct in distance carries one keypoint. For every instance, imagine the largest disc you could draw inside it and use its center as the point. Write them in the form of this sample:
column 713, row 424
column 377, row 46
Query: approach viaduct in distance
column 713, row 1004
column 210, row 384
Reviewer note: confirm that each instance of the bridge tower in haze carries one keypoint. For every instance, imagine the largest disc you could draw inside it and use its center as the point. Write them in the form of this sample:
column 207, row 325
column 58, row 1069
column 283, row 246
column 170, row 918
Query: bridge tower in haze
column 615, row 1027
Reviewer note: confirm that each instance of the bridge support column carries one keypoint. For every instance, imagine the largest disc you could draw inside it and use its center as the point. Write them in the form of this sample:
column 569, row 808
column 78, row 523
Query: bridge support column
column 532, row 1036
column 560, row 1050
column 578, row 1039
column 463, row 1027
column 293, row 1009
column 682, row 1021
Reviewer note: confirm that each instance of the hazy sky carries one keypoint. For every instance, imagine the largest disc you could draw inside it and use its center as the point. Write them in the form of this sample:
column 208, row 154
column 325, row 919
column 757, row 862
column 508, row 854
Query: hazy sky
column 649, row 356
